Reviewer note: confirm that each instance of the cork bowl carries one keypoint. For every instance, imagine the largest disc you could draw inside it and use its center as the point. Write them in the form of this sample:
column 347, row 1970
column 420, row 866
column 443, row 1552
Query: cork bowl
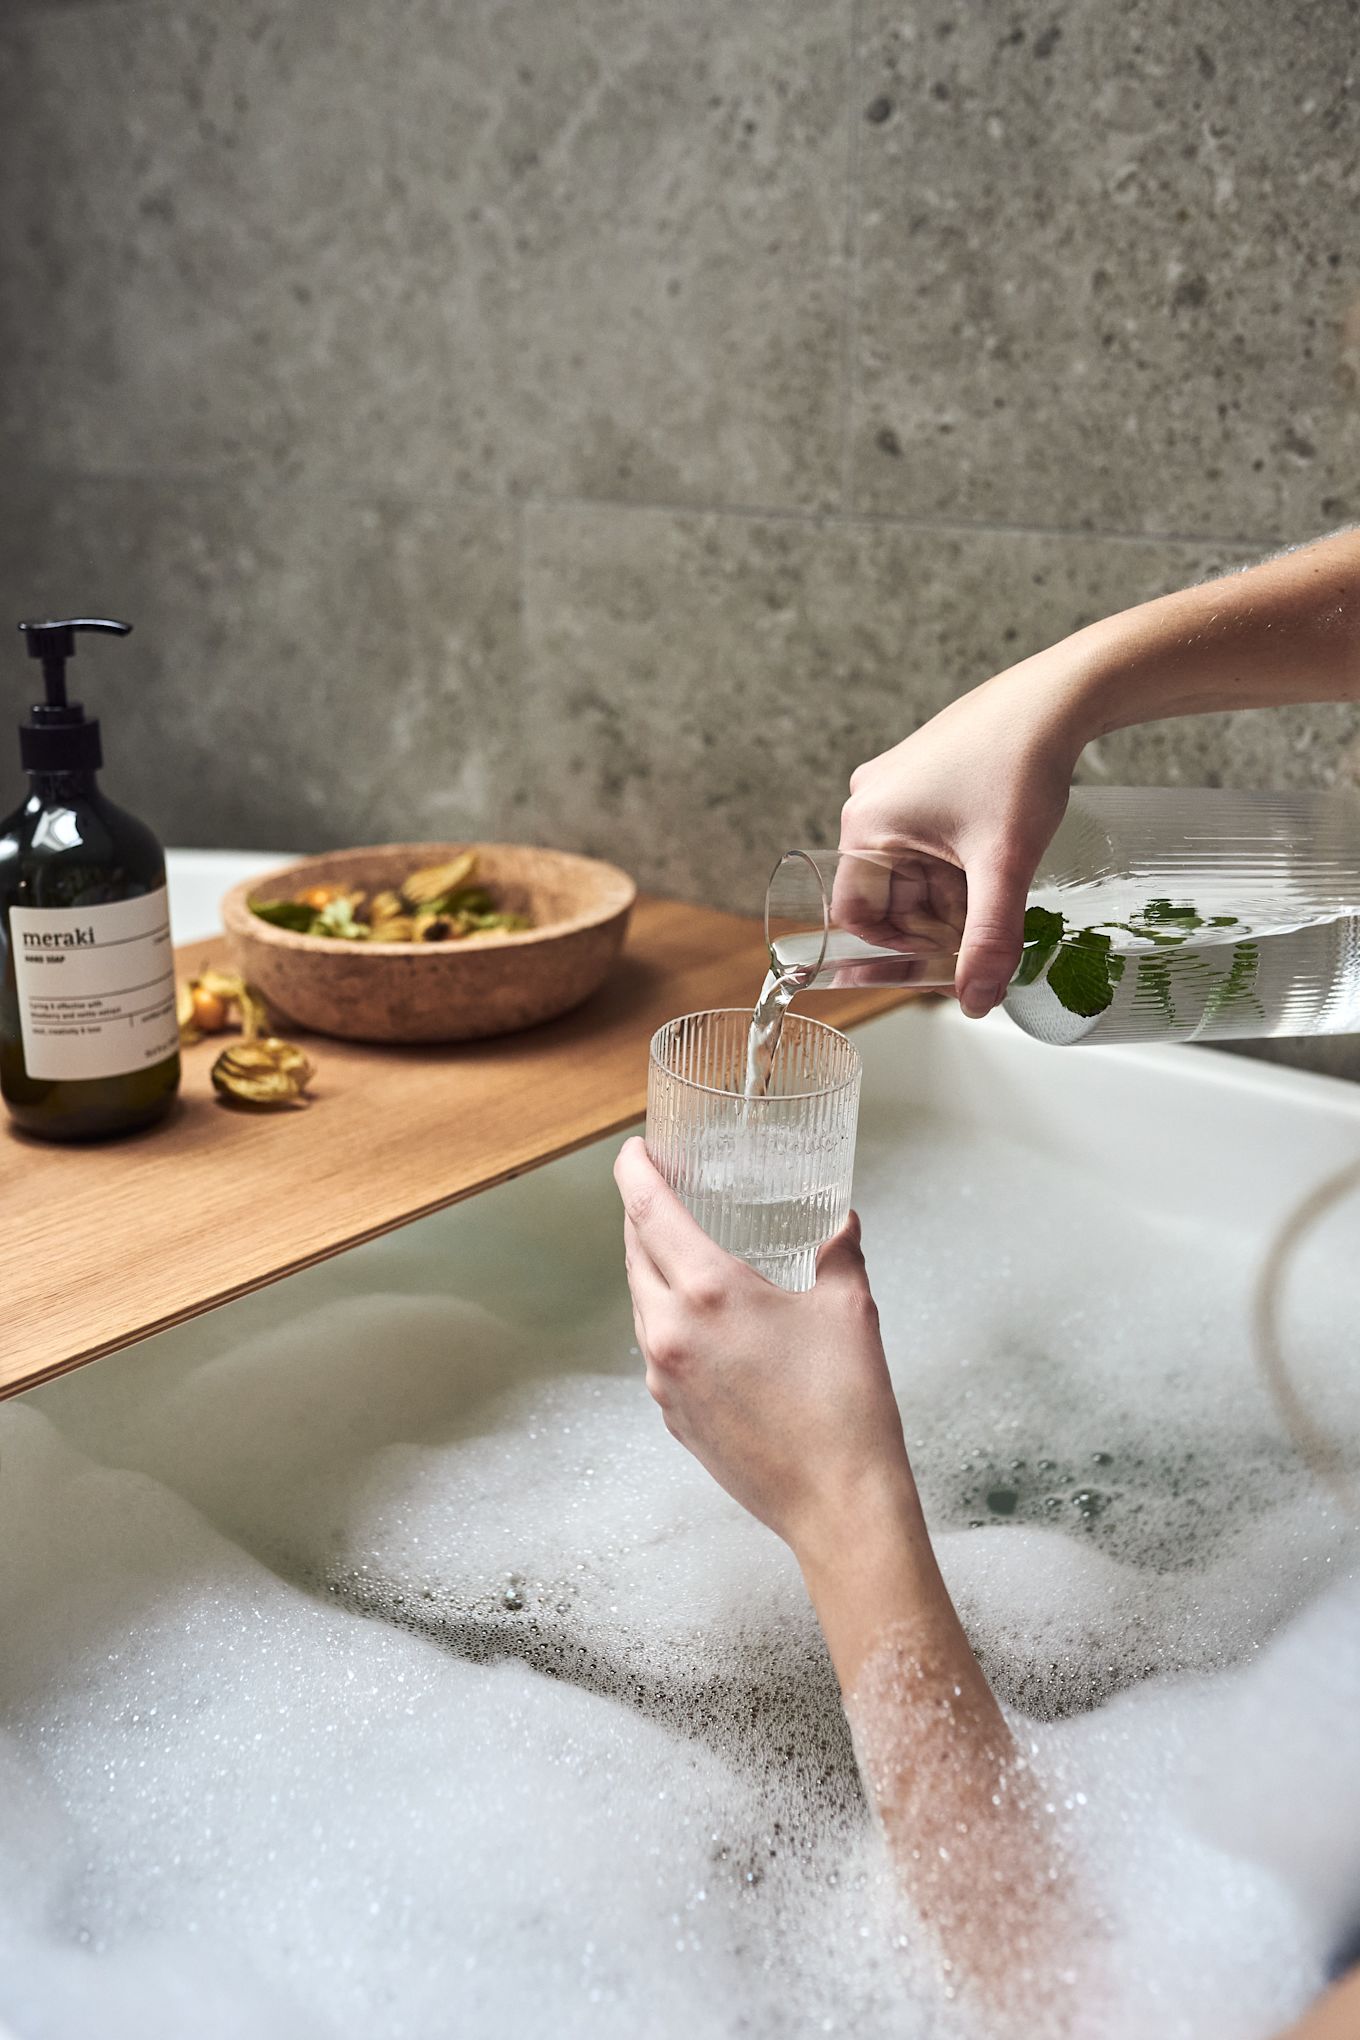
column 437, row 991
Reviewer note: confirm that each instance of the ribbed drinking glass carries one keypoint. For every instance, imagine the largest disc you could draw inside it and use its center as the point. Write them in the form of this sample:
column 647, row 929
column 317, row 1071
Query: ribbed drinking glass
column 768, row 1176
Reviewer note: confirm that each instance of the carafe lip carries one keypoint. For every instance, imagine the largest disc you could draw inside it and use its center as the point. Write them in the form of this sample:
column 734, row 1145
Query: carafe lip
column 803, row 857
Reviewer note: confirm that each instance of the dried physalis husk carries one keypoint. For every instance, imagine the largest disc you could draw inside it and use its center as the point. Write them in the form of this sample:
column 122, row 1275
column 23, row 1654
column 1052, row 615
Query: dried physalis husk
column 216, row 999
column 267, row 1072
column 393, row 928
column 436, row 928
column 254, row 1013
column 203, row 1005
column 222, row 984
column 423, row 888
column 184, row 1013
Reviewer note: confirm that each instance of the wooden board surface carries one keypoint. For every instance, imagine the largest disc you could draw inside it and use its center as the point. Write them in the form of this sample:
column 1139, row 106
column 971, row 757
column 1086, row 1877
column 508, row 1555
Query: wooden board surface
column 106, row 1244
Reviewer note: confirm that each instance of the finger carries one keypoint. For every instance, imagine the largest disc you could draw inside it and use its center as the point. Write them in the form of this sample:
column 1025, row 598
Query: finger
column 993, row 934
column 886, row 902
column 860, row 891
column 949, row 898
column 878, row 970
column 644, row 1277
column 862, row 774
column 884, row 899
column 843, row 1280
column 646, row 1289
column 676, row 1244
column 841, row 1256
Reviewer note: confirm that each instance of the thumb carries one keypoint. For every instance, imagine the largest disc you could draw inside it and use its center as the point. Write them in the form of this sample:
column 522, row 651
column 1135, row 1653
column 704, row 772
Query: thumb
column 993, row 933
column 841, row 1257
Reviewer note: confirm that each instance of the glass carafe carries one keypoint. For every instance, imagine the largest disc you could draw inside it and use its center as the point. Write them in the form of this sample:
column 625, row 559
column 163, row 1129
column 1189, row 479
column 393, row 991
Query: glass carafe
column 1157, row 914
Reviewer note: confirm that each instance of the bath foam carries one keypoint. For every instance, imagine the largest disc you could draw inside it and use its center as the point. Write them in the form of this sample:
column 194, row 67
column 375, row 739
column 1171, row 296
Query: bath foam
column 1111, row 1399
column 1311, row 1840
column 320, row 1823
column 527, row 1535
column 1219, row 1823
column 530, row 1683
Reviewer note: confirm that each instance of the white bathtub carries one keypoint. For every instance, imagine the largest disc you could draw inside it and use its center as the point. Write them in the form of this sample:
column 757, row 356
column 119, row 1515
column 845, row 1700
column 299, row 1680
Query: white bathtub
column 375, row 1662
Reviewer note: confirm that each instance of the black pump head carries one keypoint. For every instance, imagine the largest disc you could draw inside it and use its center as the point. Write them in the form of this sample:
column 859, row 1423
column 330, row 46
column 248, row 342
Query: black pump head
column 56, row 737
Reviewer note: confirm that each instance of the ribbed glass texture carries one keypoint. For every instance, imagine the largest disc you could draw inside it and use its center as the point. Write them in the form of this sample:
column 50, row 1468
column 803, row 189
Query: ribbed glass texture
column 767, row 1177
column 1187, row 914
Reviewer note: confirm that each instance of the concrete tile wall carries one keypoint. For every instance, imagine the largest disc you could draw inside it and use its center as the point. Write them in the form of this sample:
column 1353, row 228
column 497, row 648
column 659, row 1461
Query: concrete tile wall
column 609, row 422
column 1118, row 238
column 704, row 685
column 304, row 670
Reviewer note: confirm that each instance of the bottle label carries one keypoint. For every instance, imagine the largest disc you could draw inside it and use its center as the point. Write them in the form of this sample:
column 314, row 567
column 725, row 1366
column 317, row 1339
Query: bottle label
column 96, row 987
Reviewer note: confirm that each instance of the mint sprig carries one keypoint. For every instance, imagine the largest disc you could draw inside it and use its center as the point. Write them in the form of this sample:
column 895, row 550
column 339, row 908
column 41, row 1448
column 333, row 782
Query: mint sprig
column 1083, row 968
column 1043, row 933
column 1084, row 973
column 1153, row 986
column 1162, row 914
column 290, row 914
column 1238, row 986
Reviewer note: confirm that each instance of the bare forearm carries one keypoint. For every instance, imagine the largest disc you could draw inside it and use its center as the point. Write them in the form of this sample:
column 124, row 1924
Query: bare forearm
column 1335, row 2017
column 868, row 1566
column 983, row 785
column 1287, row 631
column 952, row 1791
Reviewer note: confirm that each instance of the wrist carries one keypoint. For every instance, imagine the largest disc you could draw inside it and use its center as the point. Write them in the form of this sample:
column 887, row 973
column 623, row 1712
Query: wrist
column 858, row 1522
column 869, row 1570
column 1057, row 700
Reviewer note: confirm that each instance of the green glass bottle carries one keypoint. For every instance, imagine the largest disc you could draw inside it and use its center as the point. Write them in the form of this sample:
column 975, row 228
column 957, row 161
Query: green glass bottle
column 89, row 1044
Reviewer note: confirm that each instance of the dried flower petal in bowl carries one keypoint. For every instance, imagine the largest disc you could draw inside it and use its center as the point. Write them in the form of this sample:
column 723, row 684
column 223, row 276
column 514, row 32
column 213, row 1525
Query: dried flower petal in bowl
column 433, row 904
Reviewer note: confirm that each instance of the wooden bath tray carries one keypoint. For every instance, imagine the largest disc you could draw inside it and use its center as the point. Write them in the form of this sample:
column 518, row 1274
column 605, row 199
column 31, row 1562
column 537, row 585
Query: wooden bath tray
column 106, row 1244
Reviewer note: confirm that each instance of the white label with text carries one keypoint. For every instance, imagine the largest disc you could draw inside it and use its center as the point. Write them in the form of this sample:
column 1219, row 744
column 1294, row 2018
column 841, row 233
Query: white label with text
column 96, row 987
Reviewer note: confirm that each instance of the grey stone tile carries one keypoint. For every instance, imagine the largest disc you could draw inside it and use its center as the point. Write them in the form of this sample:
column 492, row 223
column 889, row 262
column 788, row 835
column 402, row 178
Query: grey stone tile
column 1109, row 271
column 703, row 686
column 152, row 236
column 302, row 672
column 595, row 249
column 1300, row 747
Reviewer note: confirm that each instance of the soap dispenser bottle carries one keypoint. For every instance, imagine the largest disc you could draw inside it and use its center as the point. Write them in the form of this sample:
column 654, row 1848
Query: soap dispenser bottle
column 89, row 1044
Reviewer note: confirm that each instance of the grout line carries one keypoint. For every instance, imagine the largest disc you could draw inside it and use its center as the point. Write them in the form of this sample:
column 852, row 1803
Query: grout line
column 850, row 322
column 546, row 499
column 898, row 520
column 34, row 9
column 223, row 480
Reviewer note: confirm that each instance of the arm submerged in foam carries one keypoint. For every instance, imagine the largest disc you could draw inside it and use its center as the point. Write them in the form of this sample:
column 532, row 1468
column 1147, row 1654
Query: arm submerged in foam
column 787, row 1402
column 1335, row 2017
